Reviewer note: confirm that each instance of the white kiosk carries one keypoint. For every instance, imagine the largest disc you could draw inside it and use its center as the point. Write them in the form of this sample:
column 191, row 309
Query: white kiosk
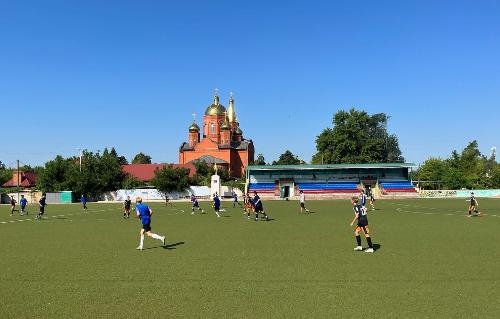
column 215, row 184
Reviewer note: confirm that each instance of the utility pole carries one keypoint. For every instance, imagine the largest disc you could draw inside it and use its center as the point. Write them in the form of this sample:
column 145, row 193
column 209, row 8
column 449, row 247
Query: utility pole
column 18, row 177
column 81, row 151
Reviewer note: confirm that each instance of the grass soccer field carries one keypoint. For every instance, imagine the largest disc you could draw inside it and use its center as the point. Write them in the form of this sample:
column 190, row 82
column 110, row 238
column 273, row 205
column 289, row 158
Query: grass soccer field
column 431, row 262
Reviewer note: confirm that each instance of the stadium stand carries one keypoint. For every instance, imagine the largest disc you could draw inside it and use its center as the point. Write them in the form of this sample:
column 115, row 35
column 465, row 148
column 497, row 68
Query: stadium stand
column 262, row 187
column 402, row 186
column 328, row 188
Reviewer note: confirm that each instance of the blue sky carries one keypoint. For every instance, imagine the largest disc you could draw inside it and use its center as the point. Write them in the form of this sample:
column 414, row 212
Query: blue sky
column 129, row 74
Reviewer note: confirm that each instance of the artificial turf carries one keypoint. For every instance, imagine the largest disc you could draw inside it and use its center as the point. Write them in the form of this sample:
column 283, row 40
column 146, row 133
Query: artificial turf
column 431, row 262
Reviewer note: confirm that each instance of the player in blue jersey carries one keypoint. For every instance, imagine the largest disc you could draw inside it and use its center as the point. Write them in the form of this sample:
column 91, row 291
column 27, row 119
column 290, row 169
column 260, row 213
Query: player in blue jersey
column 144, row 214
column 23, row 202
column 473, row 205
column 83, row 199
column 41, row 203
column 216, row 204
column 195, row 204
column 258, row 207
column 362, row 225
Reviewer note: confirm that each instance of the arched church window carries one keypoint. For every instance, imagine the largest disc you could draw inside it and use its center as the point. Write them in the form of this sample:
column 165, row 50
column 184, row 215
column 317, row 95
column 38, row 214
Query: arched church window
column 212, row 128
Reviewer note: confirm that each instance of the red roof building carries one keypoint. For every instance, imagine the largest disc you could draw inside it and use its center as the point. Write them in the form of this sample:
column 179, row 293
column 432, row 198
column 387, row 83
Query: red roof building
column 146, row 172
column 23, row 179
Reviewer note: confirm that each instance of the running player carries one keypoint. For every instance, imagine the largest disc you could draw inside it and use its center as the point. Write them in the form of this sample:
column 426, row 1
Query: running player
column 235, row 199
column 42, row 203
column 216, row 204
column 247, row 205
column 258, row 207
column 302, row 201
column 126, row 207
column 12, row 206
column 23, row 202
column 83, row 199
column 144, row 214
column 195, row 203
column 472, row 205
column 362, row 225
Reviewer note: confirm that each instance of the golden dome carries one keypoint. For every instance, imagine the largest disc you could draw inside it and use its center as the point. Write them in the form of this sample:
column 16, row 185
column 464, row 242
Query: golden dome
column 215, row 108
column 194, row 128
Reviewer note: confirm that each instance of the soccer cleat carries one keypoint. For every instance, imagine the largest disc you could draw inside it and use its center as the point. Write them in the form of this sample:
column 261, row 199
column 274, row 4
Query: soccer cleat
column 358, row 248
column 369, row 250
column 192, row 213
column 139, row 248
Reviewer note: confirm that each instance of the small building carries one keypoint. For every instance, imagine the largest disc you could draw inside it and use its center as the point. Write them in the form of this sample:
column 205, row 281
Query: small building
column 329, row 180
column 25, row 180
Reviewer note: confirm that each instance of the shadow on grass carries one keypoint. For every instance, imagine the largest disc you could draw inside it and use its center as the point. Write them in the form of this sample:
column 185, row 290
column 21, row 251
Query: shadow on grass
column 173, row 246
column 377, row 246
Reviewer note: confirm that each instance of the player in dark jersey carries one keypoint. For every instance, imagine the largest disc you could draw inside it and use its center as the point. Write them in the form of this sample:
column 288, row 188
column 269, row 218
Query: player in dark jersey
column 362, row 225
column 12, row 206
column 216, row 204
column 235, row 200
column 195, row 204
column 126, row 207
column 472, row 205
column 258, row 207
column 144, row 214
column 167, row 201
column 23, row 202
column 41, row 203
column 362, row 198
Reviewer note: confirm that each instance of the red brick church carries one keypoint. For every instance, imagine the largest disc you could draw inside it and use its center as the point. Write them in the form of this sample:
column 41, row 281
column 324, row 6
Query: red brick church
column 222, row 143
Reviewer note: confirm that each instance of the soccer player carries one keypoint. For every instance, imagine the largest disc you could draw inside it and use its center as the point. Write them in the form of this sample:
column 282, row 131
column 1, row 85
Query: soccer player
column 195, row 204
column 12, row 206
column 126, row 207
column 42, row 205
column 362, row 196
column 235, row 199
column 144, row 214
column 258, row 207
column 216, row 204
column 247, row 205
column 23, row 202
column 362, row 225
column 83, row 199
column 302, row 201
column 167, row 201
column 473, row 203
column 372, row 198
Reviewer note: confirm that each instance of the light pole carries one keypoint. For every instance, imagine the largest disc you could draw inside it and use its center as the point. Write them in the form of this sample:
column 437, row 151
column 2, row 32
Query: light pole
column 81, row 154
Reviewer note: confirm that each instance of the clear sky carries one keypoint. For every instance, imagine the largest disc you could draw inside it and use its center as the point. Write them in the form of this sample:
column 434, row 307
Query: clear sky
column 129, row 74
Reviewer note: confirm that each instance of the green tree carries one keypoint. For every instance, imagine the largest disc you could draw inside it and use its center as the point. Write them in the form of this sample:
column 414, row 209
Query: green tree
column 431, row 173
column 171, row 179
column 55, row 176
column 260, row 160
column 121, row 159
column 357, row 137
column 130, row 182
column 141, row 158
column 287, row 158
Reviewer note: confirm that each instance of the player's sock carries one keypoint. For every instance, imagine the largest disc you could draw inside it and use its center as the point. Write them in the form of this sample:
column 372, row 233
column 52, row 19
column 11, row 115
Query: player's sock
column 369, row 240
column 358, row 240
column 141, row 243
column 155, row 236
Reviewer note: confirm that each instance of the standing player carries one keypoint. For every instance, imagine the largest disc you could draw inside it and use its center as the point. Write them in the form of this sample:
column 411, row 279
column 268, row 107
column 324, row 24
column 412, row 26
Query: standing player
column 195, row 204
column 12, row 206
column 235, row 199
column 126, row 207
column 372, row 198
column 144, row 214
column 362, row 196
column 216, row 204
column 83, row 199
column 42, row 205
column 167, row 201
column 362, row 225
column 23, row 202
column 302, row 201
column 247, row 205
column 472, row 205
column 258, row 207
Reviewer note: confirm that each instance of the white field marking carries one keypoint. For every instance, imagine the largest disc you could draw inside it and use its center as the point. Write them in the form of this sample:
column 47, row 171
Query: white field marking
column 20, row 220
column 3, row 222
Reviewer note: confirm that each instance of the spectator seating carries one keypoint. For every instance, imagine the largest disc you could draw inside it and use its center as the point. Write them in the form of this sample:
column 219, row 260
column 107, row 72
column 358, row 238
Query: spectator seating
column 396, row 187
column 328, row 188
column 262, row 187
